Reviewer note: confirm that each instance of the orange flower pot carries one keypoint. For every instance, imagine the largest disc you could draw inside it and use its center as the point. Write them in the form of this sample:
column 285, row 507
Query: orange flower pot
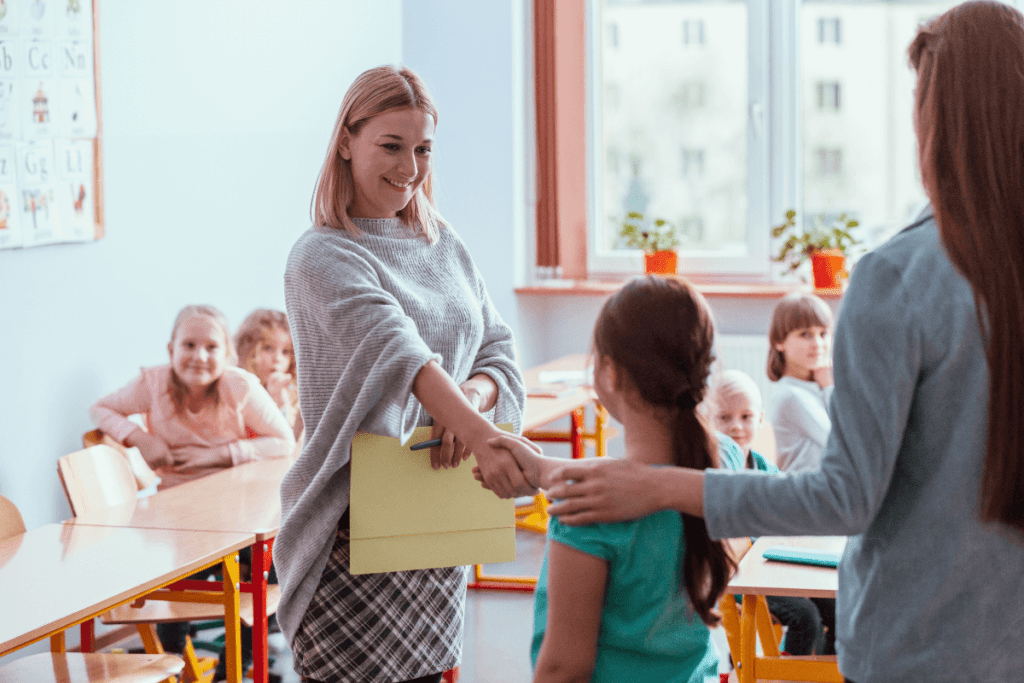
column 829, row 266
column 661, row 262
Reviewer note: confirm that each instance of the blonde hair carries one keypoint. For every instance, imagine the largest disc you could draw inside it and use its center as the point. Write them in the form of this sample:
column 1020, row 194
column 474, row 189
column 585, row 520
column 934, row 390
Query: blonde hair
column 374, row 92
column 254, row 329
column 734, row 382
column 794, row 312
column 178, row 390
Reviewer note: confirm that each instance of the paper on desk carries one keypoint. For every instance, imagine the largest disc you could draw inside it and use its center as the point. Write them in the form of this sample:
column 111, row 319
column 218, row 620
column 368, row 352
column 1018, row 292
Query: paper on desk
column 565, row 376
column 404, row 515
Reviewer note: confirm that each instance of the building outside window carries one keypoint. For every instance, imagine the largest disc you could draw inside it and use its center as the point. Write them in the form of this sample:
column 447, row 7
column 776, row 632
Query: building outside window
column 693, row 32
column 829, row 30
column 693, row 162
column 833, row 135
column 829, row 96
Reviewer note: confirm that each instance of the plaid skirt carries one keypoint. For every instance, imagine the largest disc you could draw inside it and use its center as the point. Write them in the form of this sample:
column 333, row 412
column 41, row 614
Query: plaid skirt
column 380, row 627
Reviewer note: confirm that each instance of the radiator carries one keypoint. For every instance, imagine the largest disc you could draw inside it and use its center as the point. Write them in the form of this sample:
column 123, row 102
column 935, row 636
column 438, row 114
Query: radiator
column 749, row 353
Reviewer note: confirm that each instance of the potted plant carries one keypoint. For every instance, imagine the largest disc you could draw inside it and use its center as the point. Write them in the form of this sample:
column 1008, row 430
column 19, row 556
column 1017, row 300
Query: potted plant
column 658, row 241
column 826, row 244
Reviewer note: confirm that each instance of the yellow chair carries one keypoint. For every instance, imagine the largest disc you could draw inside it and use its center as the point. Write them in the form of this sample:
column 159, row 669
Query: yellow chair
column 80, row 668
column 100, row 477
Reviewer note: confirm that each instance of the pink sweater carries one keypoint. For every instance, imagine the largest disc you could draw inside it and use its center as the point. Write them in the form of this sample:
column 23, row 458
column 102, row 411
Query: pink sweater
column 243, row 403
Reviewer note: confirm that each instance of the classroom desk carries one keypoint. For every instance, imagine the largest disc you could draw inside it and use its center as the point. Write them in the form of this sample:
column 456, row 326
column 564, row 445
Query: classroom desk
column 242, row 499
column 757, row 577
column 61, row 575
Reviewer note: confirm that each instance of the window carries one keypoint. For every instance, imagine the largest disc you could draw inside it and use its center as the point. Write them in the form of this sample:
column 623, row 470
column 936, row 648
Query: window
column 828, row 30
column 693, row 32
column 863, row 163
column 700, row 140
column 828, row 96
column 677, row 111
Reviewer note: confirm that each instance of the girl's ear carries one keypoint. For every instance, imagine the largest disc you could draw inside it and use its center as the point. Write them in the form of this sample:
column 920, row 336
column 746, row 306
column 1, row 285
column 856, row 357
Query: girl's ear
column 345, row 145
column 170, row 349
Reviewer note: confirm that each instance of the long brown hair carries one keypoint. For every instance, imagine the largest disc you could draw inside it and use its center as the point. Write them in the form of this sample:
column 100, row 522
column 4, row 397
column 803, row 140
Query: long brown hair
column 375, row 91
column 658, row 331
column 970, row 131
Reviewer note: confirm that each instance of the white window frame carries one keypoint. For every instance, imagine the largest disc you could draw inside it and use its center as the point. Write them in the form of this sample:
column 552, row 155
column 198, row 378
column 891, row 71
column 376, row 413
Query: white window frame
column 773, row 162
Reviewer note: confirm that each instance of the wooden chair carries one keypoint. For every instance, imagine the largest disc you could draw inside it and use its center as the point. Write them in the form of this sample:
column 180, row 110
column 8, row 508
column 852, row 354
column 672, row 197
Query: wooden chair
column 11, row 523
column 144, row 474
column 99, row 477
column 80, row 668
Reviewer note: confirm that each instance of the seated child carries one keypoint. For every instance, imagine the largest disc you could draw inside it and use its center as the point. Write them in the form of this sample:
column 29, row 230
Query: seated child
column 264, row 344
column 799, row 360
column 633, row 601
column 197, row 408
column 199, row 412
column 736, row 407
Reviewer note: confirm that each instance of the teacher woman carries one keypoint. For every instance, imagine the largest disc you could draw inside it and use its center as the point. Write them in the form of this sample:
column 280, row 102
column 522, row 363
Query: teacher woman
column 393, row 329
column 924, row 468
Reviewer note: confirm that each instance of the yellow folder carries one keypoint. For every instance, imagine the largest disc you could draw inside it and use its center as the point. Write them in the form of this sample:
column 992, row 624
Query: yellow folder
column 405, row 515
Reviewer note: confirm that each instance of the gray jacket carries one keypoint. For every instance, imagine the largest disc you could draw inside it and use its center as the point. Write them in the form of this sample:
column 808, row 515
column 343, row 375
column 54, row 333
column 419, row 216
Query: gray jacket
column 926, row 591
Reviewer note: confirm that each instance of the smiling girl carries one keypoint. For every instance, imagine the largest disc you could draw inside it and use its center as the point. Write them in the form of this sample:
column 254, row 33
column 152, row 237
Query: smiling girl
column 197, row 408
column 264, row 345
column 799, row 362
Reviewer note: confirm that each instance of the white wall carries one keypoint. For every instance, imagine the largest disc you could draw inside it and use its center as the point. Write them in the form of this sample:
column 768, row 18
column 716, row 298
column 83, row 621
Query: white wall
column 470, row 54
column 216, row 120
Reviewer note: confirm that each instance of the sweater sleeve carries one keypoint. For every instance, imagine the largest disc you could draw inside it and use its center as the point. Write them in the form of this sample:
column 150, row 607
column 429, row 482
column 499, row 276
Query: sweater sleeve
column 274, row 438
column 876, row 367
column 801, row 430
column 111, row 412
column 497, row 359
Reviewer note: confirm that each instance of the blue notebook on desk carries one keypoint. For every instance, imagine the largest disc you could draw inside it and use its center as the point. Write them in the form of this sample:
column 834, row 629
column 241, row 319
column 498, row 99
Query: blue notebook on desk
column 786, row 553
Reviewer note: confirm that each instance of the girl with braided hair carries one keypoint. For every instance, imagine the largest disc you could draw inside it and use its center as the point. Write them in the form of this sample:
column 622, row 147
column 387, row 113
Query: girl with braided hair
column 633, row 601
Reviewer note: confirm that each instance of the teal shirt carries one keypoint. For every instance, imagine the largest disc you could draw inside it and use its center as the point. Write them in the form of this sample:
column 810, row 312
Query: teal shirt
column 649, row 630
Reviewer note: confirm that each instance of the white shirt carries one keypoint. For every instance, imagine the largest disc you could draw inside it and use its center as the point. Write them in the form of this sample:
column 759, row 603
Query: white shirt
column 799, row 416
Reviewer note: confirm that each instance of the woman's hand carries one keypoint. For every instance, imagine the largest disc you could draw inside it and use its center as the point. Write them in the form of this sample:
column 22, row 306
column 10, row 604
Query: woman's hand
column 187, row 458
column 154, row 450
column 603, row 490
column 452, row 450
column 277, row 387
column 530, row 458
column 497, row 467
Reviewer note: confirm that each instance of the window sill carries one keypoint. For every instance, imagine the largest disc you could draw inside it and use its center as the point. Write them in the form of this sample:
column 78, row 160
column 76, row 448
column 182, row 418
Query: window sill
column 766, row 290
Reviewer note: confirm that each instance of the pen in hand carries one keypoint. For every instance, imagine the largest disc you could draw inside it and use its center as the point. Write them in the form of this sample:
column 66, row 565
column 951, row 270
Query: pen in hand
column 425, row 444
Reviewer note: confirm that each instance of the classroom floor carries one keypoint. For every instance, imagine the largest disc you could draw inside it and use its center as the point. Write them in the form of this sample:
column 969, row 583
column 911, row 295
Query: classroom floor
column 499, row 626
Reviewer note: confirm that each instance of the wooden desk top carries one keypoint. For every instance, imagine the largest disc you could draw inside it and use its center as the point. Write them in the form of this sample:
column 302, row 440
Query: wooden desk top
column 542, row 410
column 243, row 499
column 758, row 576
column 58, row 574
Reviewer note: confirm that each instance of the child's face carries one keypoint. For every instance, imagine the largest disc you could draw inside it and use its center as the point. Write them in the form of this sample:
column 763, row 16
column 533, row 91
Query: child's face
column 805, row 349
column 198, row 352
column 738, row 418
column 273, row 354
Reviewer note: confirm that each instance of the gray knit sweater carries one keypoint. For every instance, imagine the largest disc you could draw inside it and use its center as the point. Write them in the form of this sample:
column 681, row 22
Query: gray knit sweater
column 366, row 314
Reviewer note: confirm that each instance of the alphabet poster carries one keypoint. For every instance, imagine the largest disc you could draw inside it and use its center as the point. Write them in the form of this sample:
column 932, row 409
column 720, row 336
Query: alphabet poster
column 48, row 122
